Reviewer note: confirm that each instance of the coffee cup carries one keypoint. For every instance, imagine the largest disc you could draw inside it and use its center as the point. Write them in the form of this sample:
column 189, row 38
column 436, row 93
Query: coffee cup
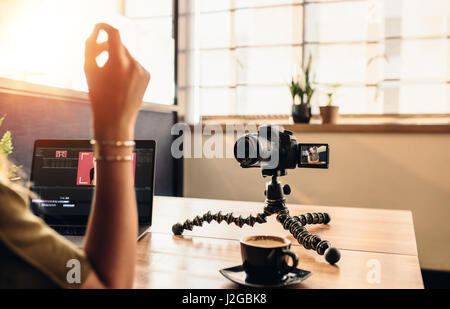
column 265, row 258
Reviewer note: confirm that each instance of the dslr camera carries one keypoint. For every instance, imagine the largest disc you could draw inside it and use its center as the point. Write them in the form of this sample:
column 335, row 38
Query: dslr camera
column 274, row 150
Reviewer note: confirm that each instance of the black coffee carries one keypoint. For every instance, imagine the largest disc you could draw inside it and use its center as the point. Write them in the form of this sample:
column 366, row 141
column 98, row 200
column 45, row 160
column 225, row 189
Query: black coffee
column 266, row 243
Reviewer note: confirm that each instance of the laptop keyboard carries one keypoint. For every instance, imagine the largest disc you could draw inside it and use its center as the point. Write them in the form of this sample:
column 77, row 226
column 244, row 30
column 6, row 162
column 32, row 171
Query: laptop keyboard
column 70, row 230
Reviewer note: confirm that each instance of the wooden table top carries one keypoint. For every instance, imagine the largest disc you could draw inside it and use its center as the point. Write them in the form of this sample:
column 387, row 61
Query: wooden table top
column 369, row 239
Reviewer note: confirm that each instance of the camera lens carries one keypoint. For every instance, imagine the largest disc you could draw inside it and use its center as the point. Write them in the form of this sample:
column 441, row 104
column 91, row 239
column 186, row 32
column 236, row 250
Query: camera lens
column 246, row 150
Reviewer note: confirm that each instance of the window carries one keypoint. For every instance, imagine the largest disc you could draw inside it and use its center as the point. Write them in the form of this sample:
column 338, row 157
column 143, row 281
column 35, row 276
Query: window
column 388, row 56
column 43, row 41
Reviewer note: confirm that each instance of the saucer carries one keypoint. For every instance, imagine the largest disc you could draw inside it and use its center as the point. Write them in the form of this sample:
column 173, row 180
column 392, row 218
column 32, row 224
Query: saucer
column 237, row 275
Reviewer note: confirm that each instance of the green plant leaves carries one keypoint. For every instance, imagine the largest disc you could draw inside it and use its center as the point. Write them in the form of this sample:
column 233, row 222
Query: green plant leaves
column 6, row 143
column 6, row 140
column 6, row 146
column 306, row 92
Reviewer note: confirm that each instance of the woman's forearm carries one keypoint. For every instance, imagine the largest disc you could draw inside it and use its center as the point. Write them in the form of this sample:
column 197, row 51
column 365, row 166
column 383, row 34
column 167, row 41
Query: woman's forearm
column 112, row 229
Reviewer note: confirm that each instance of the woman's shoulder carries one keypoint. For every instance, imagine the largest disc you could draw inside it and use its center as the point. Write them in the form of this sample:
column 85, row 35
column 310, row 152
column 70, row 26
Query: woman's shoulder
column 12, row 196
column 14, row 203
column 30, row 239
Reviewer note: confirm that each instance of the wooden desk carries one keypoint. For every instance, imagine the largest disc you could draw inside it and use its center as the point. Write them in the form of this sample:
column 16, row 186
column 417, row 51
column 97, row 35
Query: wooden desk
column 364, row 236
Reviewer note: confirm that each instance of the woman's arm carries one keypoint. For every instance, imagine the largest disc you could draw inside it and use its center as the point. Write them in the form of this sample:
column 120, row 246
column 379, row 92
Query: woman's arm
column 116, row 91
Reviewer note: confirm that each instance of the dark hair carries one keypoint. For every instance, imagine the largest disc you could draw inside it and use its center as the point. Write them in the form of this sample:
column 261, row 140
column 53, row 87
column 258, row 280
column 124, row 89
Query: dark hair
column 313, row 147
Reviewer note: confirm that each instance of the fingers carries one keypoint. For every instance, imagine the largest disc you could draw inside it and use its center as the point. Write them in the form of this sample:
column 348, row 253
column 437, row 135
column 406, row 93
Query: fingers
column 113, row 33
column 113, row 45
column 99, row 48
column 118, row 53
column 114, row 42
column 94, row 35
column 92, row 52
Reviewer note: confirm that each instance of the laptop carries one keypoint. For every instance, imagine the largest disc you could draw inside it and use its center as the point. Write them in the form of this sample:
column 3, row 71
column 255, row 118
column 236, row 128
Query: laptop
column 63, row 177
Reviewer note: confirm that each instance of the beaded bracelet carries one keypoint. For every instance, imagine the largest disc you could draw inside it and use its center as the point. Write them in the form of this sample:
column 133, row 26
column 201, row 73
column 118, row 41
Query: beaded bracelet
column 113, row 143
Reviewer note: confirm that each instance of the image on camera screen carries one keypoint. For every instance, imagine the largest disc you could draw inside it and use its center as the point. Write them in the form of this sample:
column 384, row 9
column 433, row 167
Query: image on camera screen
column 314, row 155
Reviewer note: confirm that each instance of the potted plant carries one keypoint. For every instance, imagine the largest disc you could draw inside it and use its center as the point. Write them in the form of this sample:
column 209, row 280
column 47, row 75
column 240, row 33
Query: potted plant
column 330, row 112
column 6, row 147
column 302, row 92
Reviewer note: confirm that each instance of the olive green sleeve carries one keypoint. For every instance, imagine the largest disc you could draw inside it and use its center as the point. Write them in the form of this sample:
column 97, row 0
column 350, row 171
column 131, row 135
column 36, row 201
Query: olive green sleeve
column 28, row 237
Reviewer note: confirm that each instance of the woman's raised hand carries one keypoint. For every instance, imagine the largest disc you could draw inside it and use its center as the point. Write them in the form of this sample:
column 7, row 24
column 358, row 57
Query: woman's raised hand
column 116, row 89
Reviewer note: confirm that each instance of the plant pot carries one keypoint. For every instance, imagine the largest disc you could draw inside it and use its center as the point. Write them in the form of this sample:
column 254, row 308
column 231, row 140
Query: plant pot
column 301, row 113
column 330, row 114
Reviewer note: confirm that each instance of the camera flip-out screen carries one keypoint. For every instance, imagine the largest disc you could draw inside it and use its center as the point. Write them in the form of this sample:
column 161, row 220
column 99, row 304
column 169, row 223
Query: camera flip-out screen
column 314, row 155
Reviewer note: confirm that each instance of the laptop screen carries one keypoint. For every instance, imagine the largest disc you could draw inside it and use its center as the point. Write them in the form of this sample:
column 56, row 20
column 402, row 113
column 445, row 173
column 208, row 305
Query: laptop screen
column 63, row 176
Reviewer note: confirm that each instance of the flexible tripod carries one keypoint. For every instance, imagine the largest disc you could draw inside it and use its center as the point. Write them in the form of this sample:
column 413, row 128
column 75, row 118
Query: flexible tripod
column 275, row 204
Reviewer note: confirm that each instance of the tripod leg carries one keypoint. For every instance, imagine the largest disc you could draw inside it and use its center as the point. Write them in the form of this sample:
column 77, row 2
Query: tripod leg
column 178, row 228
column 307, row 240
column 313, row 218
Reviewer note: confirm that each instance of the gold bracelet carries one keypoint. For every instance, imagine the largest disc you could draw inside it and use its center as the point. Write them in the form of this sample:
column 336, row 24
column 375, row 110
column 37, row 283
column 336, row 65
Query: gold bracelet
column 114, row 158
column 113, row 143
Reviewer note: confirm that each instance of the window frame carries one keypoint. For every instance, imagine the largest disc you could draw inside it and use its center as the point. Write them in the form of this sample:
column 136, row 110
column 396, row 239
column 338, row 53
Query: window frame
column 18, row 87
column 362, row 117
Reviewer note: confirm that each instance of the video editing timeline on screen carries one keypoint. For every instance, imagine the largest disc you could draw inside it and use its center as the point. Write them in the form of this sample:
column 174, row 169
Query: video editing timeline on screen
column 64, row 180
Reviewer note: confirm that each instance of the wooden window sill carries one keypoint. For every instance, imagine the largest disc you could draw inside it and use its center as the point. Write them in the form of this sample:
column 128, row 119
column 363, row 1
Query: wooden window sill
column 348, row 123
column 16, row 87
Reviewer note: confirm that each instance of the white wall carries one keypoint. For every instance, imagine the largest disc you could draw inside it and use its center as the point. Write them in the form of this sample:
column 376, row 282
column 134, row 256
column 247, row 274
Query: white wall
column 373, row 170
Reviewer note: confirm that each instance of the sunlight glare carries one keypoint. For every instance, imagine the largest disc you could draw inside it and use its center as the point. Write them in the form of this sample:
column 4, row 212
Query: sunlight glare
column 102, row 37
column 43, row 41
column 102, row 59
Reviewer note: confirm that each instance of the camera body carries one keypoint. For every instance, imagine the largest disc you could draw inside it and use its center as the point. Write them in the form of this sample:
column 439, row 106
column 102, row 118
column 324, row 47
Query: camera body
column 274, row 150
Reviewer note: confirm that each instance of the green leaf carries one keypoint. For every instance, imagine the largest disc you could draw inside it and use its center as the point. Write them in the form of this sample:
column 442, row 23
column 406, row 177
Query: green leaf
column 6, row 143
column 308, row 85
column 301, row 94
column 293, row 88
column 1, row 119
column 306, row 91
column 7, row 148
